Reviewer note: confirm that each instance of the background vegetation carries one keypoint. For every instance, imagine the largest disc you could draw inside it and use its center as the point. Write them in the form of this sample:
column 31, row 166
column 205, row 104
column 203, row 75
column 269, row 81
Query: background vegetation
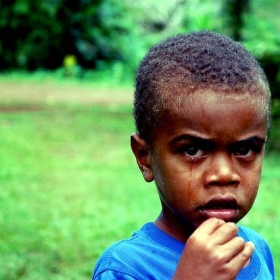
column 69, row 183
column 38, row 34
column 111, row 36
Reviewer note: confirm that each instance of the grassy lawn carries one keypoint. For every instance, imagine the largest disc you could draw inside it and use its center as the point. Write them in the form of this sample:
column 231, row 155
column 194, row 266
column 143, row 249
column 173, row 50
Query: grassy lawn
column 70, row 187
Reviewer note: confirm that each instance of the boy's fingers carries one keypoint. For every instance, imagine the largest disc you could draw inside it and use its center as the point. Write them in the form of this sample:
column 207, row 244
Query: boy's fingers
column 243, row 258
column 248, row 251
column 250, row 248
column 209, row 226
column 220, row 231
column 225, row 233
column 233, row 247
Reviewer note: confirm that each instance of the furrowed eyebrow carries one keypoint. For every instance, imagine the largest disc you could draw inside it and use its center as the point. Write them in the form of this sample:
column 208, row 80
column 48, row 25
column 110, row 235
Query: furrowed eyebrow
column 193, row 139
column 253, row 140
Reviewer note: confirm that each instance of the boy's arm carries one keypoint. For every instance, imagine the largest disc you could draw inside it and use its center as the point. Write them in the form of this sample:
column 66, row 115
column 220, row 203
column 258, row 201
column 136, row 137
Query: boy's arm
column 214, row 251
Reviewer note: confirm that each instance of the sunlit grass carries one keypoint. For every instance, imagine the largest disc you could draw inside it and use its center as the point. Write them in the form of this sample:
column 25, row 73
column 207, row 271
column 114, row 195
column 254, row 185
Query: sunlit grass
column 264, row 215
column 70, row 187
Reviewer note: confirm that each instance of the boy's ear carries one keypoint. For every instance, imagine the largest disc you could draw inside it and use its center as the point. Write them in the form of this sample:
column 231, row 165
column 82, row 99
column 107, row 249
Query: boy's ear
column 142, row 154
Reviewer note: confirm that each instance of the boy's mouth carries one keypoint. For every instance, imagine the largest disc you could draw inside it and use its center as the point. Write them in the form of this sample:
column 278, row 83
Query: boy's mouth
column 224, row 208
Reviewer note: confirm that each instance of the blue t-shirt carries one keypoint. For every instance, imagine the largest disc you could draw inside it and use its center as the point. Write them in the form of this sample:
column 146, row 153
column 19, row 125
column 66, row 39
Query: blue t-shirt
column 152, row 254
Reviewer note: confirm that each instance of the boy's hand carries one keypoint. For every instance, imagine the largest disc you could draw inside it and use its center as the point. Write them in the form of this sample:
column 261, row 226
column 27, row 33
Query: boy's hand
column 214, row 251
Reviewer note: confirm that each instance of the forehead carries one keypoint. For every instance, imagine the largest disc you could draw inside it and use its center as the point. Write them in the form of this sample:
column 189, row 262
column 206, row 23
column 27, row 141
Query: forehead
column 216, row 114
column 185, row 101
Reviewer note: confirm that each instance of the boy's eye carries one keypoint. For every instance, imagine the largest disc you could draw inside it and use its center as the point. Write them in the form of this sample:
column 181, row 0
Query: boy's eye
column 193, row 151
column 243, row 151
column 248, row 148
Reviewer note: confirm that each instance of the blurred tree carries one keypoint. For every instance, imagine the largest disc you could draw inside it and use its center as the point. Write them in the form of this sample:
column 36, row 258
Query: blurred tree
column 260, row 34
column 28, row 36
column 38, row 34
column 234, row 12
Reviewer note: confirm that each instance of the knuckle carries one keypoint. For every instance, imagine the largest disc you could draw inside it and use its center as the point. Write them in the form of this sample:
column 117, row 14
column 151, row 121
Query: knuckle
column 245, row 255
column 231, row 274
column 231, row 227
column 217, row 258
column 217, row 222
column 200, row 244
column 240, row 241
column 193, row 240
column 247, row 252
column 208, row 248
column 229, row 271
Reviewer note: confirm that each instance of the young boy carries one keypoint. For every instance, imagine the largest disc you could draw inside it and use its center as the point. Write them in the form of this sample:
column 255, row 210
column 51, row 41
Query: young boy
column 202, row 110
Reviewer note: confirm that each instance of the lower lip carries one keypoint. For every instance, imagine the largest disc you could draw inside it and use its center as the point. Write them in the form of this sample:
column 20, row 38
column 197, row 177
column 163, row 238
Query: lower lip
column 223, row 214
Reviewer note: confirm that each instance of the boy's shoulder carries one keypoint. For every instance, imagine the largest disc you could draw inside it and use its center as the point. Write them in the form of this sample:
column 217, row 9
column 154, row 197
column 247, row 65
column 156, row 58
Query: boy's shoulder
column 134, row 257
column 249, row 234
column 262, row 260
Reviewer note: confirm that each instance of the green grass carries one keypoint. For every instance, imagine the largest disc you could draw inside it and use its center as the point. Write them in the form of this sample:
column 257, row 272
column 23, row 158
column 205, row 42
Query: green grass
column 70, row 187
column 116, row 76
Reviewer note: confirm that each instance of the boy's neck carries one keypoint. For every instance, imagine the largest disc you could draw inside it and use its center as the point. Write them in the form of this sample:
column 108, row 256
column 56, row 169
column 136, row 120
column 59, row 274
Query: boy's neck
column 173, row 227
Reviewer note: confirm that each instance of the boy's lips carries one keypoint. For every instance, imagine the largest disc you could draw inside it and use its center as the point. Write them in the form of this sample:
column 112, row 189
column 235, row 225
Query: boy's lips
column 221, row 207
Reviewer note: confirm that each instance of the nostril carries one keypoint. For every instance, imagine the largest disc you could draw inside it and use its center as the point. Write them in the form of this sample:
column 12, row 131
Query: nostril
column 222, row 179
column 221, row 183
column 222, row 171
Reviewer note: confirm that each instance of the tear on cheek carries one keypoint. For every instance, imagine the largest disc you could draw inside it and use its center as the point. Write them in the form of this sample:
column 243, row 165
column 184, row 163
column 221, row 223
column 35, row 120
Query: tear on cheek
column 189, row 182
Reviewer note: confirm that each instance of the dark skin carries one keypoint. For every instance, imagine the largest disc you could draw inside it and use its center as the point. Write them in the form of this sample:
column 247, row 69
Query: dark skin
column 207, row 173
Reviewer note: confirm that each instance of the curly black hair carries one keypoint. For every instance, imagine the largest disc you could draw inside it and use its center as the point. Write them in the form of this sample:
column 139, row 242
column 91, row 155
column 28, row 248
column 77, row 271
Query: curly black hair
column 195, row 61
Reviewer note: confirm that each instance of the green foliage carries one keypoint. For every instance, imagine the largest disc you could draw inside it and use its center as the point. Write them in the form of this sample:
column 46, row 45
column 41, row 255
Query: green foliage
column 39, row 34
column 260, row 36
column 103, row 34
column 30, row 35
column 100, row 34
column 274, row 134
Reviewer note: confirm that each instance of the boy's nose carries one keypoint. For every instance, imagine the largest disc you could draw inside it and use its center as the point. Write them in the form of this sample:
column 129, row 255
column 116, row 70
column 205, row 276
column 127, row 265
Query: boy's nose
column 222, row 172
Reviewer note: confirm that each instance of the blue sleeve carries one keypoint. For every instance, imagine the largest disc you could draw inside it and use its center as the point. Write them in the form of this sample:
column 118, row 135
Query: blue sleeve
column 261, row 248
column 112, row 275
column 267, row 255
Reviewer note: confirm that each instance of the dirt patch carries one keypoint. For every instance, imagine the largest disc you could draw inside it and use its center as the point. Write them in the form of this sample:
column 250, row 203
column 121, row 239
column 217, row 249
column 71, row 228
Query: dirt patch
column 19, row 108
column 46, row 92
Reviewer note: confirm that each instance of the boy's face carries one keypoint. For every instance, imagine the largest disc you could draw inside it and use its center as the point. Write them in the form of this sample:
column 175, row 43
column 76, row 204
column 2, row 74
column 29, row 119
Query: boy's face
column 206, row 159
